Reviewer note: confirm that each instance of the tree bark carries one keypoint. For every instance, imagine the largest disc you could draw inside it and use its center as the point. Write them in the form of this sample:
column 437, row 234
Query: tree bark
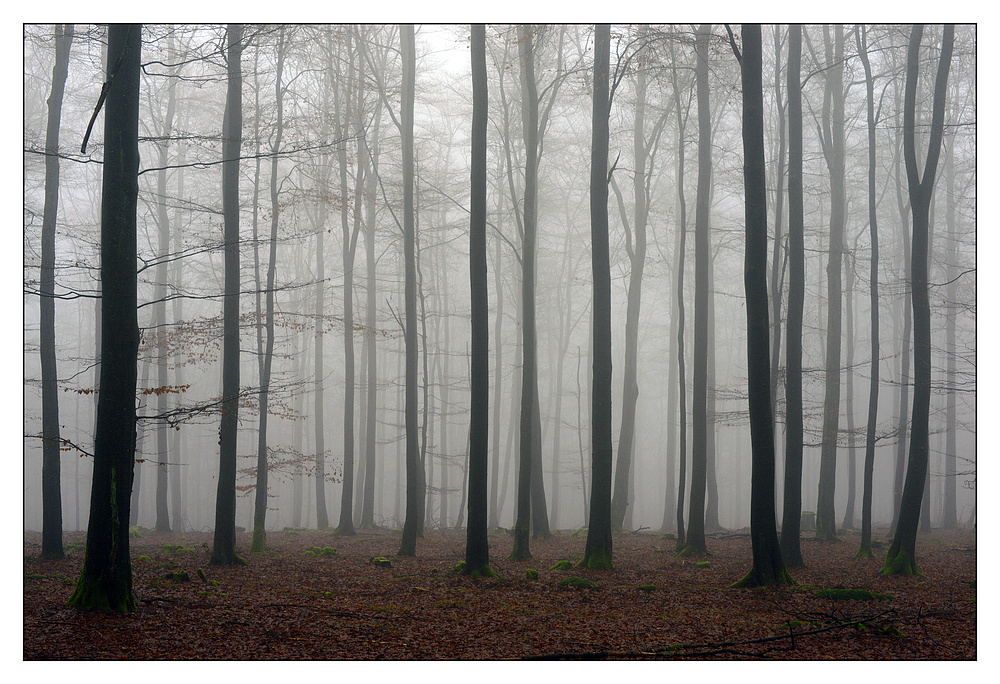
column 768, row 567
column 224, row 549
column 901, row 556
column 598, row 552
column 52, row 521
column 106, row 580
column 414, row 492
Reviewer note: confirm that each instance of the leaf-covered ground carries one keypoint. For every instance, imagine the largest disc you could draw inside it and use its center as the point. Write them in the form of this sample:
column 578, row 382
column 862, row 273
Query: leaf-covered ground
column 302, row 601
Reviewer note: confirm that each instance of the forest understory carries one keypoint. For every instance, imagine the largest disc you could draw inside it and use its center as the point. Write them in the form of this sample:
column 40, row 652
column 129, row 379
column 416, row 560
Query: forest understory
column 304, row 600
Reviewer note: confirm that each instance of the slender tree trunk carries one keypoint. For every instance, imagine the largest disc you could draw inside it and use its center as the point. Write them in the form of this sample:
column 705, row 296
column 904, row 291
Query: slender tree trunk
column 477, row 548
column 949, row 514
column 682, row 379
column 414, row 491
column 260, row 493
column 598, row 552
column 52, row 521
column 637, row 258
column 792, row 503
column 529, row 366
column 865, row 550
column 106, row 580
column 494, row 514
column 833, row 150
column 695, row 537
column 901, row 557
column 224, row 549
column 768, row 567
column 177, row 453
column 852, row 476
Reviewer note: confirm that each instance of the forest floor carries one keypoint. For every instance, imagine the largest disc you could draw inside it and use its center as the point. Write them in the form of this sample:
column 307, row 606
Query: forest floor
column 296, row 602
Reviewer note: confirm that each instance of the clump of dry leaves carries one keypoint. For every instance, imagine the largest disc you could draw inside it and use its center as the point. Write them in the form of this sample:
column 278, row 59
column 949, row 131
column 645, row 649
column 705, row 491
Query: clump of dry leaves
column 318, row 596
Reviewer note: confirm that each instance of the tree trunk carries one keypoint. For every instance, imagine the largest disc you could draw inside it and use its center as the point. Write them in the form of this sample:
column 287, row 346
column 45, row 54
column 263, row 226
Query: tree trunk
column 901, row 557
column 598, row 552
column 833, row 150
column 477, row 547
column 529, row 366
column 106, row 580
column 792, row 503
column 52, row 522
column 695, row 537
column 865, row 549
column 224, row 549
column 260, row 493
column 768, row 567
column 949, row 514
column 637, row 258
column 414, row 491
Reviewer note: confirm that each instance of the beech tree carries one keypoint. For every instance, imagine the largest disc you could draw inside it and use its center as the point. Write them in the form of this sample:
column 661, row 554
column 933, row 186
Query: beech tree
column 224, row 548
column 52, row 523
column 477, row 547
column 106, row 580
column 768, row 566
column 598, row 553
column 901, row 558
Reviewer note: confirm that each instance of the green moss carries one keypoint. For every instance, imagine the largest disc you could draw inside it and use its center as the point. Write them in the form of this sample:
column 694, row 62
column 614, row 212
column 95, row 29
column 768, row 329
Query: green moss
column 579, row 583
column 213, row 583
column 459, row 567
column 703, row 564
column 597, row 561
column 562, row 565
column 328, row 594
column 689, row 551
column 900, row 563
column 259, row 540
column 178, row 576
column 380, row 562
column 669, row 535
column 321, row 551
column 449, row 603
column 531, row 574
column 646, row 587
column 144, row 558
column 35, row 577
column 482, row 571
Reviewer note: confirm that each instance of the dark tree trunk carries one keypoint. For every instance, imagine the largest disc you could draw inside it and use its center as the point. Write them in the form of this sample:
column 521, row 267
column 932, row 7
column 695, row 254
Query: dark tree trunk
column 792, row 504
column 901, row 557
column 833, row 150
column 350, row 243
column 414, row 480
column 106, row 580
column 258, row 543
column 529, row 366
column 598, row 552
column 477, row 546
column 224, row 550
column 949, row 514
column 52, row 522
column 682, row 379
column 865, row 550
column 768, row 567
column 695, row 537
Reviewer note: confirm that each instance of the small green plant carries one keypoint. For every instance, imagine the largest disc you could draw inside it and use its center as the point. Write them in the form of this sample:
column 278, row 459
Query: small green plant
column 531, row 574
column 321, row 551
column 646, row 587
column 459, row 567
column 144, row 558
column 328, row 594
column 178, row 576
column 703, row 564
column 579, row 583
column 213, row 583
column 449, row 603
column 562, row 565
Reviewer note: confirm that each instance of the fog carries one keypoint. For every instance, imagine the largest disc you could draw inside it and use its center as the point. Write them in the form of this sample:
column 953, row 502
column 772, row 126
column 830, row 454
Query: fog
column 336, row 171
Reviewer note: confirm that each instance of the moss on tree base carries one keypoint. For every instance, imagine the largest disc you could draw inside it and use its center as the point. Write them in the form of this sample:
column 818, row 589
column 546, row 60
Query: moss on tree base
column 864, row 552
column 258, row 544
column 901, row 563
column 483, row 570
column 691, row 551
column 89, row 595
column 597, row 561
